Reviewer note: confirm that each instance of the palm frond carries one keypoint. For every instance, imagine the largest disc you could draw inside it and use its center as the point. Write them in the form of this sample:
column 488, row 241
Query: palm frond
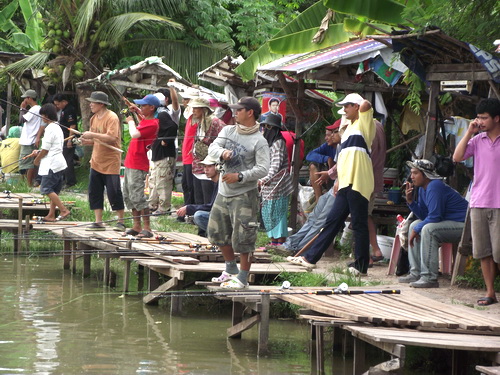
column 115, row 28
column 186, row 60
column 35, row 61
column 85, row 16
column 164, row 7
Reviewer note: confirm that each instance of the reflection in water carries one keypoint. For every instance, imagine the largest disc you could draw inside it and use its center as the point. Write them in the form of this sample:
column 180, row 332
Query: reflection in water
column 52, row 322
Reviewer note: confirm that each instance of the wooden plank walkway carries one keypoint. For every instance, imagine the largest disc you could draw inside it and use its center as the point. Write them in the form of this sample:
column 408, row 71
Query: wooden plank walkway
column 407, row 309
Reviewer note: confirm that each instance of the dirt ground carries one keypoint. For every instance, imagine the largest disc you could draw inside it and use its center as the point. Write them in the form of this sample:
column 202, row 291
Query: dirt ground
column 446, row 293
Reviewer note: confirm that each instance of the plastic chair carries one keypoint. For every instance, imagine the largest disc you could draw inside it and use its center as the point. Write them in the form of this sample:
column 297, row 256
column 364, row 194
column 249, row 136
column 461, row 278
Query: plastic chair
column 446, row 252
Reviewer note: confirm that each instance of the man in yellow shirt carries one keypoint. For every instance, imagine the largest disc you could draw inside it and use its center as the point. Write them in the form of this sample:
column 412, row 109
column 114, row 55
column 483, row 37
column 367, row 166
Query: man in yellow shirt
column 9, row 151
column 353, row 187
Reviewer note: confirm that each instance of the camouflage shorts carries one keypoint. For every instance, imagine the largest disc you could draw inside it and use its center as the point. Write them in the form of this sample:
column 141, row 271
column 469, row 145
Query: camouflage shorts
column 133, row 189
column 233, row 221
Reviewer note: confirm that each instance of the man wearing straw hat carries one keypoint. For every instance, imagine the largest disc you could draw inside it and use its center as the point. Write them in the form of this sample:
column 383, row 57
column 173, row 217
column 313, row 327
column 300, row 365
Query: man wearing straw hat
column 105, row 162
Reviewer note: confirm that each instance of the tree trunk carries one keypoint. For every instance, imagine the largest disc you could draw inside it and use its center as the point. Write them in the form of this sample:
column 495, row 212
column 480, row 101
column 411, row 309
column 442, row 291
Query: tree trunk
column 86, row 114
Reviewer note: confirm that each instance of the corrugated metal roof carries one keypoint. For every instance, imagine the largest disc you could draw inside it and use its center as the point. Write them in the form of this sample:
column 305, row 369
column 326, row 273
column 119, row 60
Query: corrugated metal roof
column 306, row 61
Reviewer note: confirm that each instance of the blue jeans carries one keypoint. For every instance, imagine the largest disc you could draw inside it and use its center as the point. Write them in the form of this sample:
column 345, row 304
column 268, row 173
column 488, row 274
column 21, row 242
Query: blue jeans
column 315, row 221
column 347, row 201
column 423, row 255
column 200, row 218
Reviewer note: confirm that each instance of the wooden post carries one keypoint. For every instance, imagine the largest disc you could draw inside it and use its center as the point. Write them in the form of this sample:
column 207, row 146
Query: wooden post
column 320, row 344
column 176, row 301
column 431, row 126
column 27, row 230
column 9, row 106
column 106, row 270
column 87, row 257
column 299, row 118
column 66, row 252
column 18, row 245
column 73, row 248
column 237, row 316
column 264, row 324
column 359, row 356
column 126, row 277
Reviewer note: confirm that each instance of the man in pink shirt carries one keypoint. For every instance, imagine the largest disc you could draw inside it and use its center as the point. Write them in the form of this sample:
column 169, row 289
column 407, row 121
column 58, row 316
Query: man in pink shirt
column 484, row 200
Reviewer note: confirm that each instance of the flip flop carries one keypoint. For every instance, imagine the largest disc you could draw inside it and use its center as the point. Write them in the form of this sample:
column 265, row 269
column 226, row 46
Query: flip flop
column 62, row 217
column 486, row 301
column 44, row 220
column 132, row 232
column 377, row 258
column 145, row 234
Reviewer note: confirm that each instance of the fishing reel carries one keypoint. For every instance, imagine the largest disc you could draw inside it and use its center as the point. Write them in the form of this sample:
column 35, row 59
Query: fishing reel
column 219, row 167
column 76, row 140
column 126, row 112
column 8, row 193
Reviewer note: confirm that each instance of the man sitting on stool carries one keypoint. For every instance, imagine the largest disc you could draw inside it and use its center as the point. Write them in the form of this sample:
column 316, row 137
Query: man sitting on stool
column 441, row 211
column 201, row 212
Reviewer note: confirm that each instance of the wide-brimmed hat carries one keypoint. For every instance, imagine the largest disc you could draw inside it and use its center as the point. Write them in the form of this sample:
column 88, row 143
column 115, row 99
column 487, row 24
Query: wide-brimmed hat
column 335, row 125
column 200, row 103
column 426, row 167
column 209, row 160
column 148, row 100
column 350, row 99
column 30, row 94
column 273, row 120
column 248, row 103
column 98, row 97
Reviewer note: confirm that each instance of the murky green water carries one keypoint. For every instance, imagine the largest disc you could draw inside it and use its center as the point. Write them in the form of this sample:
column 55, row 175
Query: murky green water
column 53, row 322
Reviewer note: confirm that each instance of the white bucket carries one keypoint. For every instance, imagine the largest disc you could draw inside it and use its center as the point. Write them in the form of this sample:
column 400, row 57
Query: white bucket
column 385, row 244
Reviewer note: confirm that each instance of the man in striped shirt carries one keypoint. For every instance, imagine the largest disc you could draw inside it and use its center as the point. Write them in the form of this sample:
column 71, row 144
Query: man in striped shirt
column 353, row 187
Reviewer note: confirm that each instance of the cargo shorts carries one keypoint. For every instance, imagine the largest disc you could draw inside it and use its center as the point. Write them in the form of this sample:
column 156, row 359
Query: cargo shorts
column 233, row 221
column 133, row 189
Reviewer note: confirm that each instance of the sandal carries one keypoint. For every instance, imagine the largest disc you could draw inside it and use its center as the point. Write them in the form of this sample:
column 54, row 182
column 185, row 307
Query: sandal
column 224, row 276
column 145, row 234
column 132, row 232
column 486, row 301
column 234, row 283
column 301, row 262
column 63, row 217
column 377, row 258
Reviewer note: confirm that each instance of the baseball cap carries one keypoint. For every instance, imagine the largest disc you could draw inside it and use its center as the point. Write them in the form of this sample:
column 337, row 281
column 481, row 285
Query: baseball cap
column 160, row 97
column 335, row 125
column 350, row 99
column 248, row 103
column 29, row 94
column 426, row 167
column 148, row 100
column 209, row 160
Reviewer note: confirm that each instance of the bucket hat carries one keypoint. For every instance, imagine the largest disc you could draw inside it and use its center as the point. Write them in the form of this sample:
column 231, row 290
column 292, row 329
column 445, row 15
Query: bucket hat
column 98, row 97
column 29, row 94
column 426, row 167
column 200, row 103
column 273, row 120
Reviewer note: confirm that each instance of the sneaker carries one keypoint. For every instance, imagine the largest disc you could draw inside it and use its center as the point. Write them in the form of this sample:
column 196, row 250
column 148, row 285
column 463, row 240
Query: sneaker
column 95, row 227
column 408, row 279
column 224, row 276
column 424, row 284
column 234, row 283
column 355, row 272
column 301, row 261
column 280, row 250
column 119, row 227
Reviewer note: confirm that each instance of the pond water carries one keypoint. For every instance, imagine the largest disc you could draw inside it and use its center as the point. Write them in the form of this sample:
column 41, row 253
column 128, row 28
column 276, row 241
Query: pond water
column 53, row 322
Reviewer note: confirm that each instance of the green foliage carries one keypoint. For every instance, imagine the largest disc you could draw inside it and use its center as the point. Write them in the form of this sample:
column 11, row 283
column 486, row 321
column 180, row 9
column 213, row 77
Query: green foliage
column 415, row 88
column 475, row 22
column 473, row 277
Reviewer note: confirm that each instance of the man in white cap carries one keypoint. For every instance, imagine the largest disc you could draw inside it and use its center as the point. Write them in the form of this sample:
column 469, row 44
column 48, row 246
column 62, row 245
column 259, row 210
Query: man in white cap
column 441, row 213
column 353, row 187
column 233, row 220
column 30, row 135
column 201, row 212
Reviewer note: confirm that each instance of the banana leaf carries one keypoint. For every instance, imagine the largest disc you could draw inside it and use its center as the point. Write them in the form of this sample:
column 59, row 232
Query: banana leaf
column 6, row 14
column 387, row 11
column 33, row 30
column 308, row 19
column 301, row 42
column 361, row 29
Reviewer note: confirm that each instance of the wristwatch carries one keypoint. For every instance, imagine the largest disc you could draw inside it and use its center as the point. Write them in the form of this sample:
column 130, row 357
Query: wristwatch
column 240, row 177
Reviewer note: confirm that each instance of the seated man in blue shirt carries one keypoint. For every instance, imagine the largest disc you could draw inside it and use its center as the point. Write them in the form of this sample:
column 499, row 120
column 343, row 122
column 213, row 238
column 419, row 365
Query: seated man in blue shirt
column 441, row 212
column 201, row 212
column 323, row 158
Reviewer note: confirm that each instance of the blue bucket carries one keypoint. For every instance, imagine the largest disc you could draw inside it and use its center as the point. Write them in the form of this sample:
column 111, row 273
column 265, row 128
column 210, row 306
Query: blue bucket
column 395, row 196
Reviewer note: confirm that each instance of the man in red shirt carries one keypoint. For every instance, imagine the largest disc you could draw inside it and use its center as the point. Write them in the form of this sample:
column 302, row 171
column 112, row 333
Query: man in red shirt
column 137, row 164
